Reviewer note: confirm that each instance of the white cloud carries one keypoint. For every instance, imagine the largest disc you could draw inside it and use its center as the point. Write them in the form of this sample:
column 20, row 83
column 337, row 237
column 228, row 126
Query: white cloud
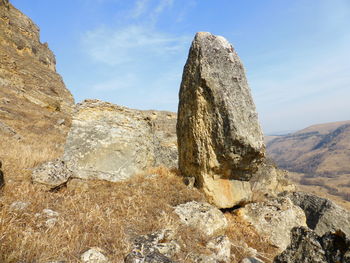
column 129, row 44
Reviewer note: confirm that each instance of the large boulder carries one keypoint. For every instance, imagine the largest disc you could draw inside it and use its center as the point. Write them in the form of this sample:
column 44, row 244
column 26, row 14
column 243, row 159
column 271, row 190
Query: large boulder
column 274, row 219
column 113, row 143
column 306, row 246
column 219, row 138
column 322, row 215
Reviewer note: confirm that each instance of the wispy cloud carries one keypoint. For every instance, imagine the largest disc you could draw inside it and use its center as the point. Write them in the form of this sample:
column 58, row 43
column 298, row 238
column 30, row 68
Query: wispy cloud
column 129, row 44
column 139, row 8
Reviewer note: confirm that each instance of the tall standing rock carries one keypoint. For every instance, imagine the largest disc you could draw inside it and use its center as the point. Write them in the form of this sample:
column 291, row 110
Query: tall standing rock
column 219, row 138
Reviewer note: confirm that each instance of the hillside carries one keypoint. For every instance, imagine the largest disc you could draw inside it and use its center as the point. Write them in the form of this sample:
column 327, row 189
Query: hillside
column 35, row 106
column 322, row 149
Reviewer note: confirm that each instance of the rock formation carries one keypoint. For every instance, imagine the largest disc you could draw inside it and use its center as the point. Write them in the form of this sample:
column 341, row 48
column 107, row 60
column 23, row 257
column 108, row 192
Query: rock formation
column 306, row 246
column 113, row 143
column 322, row 215
column 219, row 138
column 274, row 219
column 33, row 96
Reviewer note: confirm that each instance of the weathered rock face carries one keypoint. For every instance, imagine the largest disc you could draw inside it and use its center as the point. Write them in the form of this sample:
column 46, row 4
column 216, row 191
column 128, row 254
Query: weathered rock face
column 113, row 143
column 203, row 216
column 219, row 137
column 322, row 215
column 32, row 95
column 306, row 246
column 274, row 219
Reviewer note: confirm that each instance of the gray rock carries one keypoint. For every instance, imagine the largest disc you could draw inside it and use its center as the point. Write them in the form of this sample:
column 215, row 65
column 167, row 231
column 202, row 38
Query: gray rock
column 322, row 215
column 113, row 143
column 251, row 260
column 153, row 248
column 19, row 206
column 219, row 138
column 205, row 217
column 52, row 174
column 94, row 255
column 306, row 246
column 221, row 248
column 274, row 219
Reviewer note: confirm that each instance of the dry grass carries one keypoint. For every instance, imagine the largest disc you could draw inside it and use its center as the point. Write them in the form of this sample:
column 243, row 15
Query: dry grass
column 97, row 213
column 101, row 214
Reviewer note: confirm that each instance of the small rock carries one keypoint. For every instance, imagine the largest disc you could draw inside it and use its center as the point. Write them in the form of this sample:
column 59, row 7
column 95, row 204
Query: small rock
column 50, row 213
column 221, row 246
column 19, row 205
column 156, row 247
column 61, row 122
column 52, row 174
column 203, row 216
column 251, row 260
column 93, row 255
column 51, row 222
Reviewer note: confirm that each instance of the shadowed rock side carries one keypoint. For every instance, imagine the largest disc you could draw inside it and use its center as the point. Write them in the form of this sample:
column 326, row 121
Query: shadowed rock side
column 33, row 97
column 306, row 246
column 219, row 137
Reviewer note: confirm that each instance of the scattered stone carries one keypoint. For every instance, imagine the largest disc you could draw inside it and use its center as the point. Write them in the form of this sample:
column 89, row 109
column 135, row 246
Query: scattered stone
column 251, row 260
column 19, row 206
column 50, row 213
column 203, row 216
column 61, row 122
column 51, row 222
column 94, row 255
column 322, row 215
column 219, row 138
column 221, row 248
column 157, row 247
column 52, row 174
column 274, row 219
column 306, row 246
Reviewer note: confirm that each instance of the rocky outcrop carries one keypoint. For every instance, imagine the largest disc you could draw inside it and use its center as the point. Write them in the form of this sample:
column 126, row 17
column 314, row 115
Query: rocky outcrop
column 202, row 216
column 274, row 219
column 306, row 246
column 219, row 137
column 322, row 215
column 32, row 95
column 113, row 143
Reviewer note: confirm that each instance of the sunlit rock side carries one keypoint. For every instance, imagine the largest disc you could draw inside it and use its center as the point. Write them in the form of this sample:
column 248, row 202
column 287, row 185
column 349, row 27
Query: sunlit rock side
column 219, row 137
column 113, row 143
column 33, row 96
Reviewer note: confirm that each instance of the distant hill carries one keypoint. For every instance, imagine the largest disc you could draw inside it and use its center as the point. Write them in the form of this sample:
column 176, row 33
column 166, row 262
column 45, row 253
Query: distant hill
column 322, row 149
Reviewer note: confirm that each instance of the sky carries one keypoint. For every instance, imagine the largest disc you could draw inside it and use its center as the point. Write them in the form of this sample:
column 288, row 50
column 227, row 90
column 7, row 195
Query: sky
column 132, row 52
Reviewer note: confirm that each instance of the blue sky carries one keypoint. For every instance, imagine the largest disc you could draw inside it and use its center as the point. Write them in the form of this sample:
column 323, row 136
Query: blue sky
column 132, row 52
